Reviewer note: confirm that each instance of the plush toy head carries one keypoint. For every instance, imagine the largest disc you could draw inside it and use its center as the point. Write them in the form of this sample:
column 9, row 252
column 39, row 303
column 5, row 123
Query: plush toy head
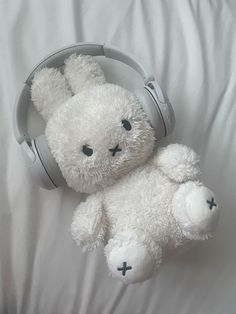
column 96, row 131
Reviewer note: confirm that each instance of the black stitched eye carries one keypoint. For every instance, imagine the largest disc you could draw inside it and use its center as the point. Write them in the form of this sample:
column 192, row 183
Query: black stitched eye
column 126, row 125
column 87, row 150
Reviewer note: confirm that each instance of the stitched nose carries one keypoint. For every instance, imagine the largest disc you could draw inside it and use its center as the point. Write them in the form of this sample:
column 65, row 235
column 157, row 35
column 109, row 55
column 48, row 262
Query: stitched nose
column 115, row 150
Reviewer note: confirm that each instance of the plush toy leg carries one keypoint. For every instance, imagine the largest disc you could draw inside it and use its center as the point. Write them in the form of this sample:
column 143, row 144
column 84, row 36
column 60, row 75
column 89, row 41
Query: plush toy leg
column 131, row 260
column 196, row 210
column 88, row 225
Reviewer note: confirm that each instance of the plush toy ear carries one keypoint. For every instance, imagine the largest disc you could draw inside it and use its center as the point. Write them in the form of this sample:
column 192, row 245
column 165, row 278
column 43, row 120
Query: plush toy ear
column 49, row 90
column 82, row 71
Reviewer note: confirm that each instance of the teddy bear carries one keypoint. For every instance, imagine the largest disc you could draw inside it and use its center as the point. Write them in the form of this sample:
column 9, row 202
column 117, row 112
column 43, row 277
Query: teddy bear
column 156, row 208
column 97, row 132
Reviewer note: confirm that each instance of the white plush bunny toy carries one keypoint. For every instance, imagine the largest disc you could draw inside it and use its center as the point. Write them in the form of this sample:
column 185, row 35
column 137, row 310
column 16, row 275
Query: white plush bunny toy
column 156, row 207
column 101, row 139
column 96, row 131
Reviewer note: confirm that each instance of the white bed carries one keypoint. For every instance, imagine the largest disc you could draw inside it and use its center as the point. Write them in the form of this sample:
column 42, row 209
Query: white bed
column 191, row 48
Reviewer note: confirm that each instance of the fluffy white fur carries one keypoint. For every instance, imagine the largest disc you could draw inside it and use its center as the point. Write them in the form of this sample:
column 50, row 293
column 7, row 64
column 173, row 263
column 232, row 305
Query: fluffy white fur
column 98, row 133
column 82, row 71
column 191, row 210
column 92, row 118
column 178, row 164
column 146, row 212
column 49, row 90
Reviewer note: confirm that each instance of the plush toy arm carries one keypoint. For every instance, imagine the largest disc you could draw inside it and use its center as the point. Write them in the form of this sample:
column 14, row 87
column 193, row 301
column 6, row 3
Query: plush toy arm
column 49, row 89
column 82, row 71
column 178, row 162
column 88, row 225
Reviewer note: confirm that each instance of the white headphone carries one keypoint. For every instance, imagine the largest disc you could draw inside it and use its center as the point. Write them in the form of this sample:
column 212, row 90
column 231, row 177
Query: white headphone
column 36, row 151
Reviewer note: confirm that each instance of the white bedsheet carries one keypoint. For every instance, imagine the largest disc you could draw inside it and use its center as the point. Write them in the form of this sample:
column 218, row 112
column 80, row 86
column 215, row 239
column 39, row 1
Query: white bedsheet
column 191, row 48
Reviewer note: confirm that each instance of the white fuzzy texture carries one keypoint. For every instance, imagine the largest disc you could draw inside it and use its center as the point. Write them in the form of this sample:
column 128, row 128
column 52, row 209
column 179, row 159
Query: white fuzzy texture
column 93, row 117
column 128, row 247
column 88, row 227
column 191, row 210
column 49, row 90
column 95, row 120
column 143, row 220
column 178, row 162
column 83, row 72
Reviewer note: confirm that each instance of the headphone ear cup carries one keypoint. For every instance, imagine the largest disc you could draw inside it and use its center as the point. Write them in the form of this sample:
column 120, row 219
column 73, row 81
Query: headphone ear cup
column 152, row 111
column 167, row 113
column 45, row 168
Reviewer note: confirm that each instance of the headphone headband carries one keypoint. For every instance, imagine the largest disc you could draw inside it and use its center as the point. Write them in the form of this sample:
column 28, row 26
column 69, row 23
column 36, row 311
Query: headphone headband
column 56, row 60
column 36, row 151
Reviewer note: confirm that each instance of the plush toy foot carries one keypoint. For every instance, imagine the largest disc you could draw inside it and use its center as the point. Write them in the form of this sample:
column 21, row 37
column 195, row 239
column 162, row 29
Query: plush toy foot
column 129, row 260
column 196, row 210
